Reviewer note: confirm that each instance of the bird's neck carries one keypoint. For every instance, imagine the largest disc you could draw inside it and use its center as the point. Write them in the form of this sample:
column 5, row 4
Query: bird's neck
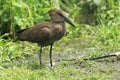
column 62, row 23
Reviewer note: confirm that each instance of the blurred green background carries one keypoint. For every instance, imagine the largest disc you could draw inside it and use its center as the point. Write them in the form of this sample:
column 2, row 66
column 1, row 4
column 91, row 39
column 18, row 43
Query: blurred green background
column 20, row 14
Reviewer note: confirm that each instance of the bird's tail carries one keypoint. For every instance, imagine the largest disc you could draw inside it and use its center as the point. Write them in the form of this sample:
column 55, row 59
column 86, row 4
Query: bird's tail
column 18, row 33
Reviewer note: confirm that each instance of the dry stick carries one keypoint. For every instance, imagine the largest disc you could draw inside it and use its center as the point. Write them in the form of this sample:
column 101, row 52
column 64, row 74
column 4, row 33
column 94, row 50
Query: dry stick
column 100, row 57
column 105, row 56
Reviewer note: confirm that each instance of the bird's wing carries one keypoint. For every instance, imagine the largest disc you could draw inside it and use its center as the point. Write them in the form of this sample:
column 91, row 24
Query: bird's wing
column 20, row 31
column 38, row 33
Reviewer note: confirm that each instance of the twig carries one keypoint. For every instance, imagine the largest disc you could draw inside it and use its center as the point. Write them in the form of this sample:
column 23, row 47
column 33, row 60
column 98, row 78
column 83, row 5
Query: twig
column 105, row 56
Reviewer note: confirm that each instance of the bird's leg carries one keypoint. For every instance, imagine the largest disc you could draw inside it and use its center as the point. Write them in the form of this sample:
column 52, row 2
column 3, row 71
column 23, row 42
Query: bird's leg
column 50, row 55
column 40, row 58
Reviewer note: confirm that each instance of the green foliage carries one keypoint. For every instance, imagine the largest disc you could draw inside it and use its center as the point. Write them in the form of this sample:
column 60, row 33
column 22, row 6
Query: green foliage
column 108, row 11
column 15, row 13
column 10, row 50
column 107, row 34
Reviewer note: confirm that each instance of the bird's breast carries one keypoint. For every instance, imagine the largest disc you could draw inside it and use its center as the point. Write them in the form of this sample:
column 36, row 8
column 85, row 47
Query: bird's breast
column 59, row 32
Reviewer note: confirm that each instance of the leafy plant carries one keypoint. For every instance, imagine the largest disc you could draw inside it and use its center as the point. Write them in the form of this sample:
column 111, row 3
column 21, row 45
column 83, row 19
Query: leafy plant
column 19, row 14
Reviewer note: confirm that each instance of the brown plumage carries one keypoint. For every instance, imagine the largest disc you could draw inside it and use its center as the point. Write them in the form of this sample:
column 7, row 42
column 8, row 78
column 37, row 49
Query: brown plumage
column 46, row 33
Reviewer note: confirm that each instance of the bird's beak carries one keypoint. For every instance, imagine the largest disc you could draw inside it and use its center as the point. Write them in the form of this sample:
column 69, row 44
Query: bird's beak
column 67, row 20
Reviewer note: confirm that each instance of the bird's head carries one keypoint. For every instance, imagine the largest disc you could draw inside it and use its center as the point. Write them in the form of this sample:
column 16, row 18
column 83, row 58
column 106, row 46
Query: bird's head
column 60, row 15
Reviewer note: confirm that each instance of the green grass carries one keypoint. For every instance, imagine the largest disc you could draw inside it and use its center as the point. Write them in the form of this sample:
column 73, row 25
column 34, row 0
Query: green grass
column 19, row 61
column 60, row 72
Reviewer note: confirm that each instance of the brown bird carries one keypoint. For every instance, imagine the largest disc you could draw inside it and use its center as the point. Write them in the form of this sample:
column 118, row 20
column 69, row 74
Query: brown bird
column 46, row 33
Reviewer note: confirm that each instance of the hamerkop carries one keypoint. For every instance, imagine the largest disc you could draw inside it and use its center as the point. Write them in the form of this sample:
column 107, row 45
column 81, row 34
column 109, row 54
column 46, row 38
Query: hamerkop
column 46, row 33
